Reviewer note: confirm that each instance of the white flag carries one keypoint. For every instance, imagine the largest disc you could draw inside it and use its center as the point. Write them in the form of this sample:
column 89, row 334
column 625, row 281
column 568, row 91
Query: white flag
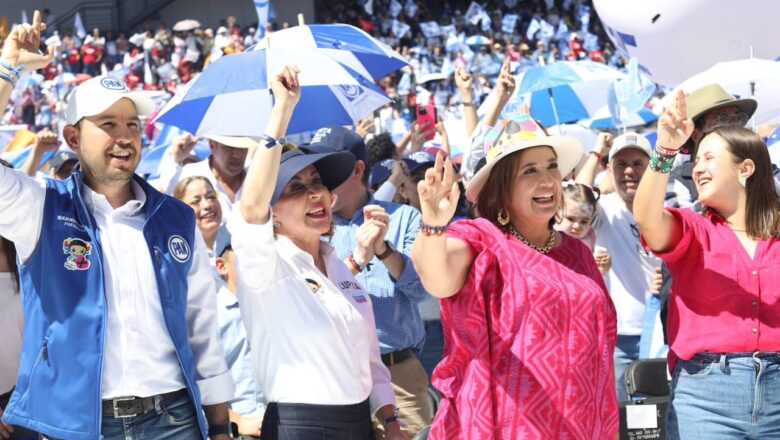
column 508, row 23
column 54, row 40
column 24, row 16
column 486, row 21
column 262, row 16
column 473, row 13
column 368, row 6
column 400, row 29
column 410, row 8
column 448, row 30
column 430, row 29
column 78, row 25
column 395, row 8
column 547, row 32
column 533, row 28
column 510, row 3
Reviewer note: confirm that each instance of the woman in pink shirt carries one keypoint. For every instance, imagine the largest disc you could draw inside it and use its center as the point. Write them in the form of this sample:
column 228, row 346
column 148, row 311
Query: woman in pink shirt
column 724, row 309
column 529, row 327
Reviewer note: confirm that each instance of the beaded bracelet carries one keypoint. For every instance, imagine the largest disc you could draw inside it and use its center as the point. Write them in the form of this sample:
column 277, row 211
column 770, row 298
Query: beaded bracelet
column 668, row 152
column 661, row 164
column 432, row 231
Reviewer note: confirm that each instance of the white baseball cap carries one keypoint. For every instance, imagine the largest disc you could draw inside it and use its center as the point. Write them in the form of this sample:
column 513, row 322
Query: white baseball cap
column 630, row 140
column 95, row 95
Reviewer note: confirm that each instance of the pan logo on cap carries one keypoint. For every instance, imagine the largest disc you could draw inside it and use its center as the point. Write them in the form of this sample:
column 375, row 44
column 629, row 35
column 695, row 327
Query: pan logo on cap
column 112, row 84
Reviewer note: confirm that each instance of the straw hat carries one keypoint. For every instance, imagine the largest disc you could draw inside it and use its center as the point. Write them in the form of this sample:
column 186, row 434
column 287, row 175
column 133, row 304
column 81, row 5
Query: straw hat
column 516, row 134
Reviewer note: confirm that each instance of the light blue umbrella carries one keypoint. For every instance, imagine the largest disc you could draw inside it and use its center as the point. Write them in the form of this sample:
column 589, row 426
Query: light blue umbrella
column 561, row 92
column 477, row 40
column 604, row 120
column 346, row 44
column 232, row 97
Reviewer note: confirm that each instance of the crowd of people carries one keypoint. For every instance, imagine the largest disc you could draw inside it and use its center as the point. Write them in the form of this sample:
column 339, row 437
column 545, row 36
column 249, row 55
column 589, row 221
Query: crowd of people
column 338, row 288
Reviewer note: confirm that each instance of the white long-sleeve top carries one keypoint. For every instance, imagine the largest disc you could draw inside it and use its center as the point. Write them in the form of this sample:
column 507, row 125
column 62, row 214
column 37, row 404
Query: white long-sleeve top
column 312, row 337
column 140, row 359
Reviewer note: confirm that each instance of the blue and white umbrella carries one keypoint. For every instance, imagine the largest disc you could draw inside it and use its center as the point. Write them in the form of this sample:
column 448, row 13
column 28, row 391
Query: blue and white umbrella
column 477, row 40
column 346, row 44
column 602, row 119
column 232, row 96
column 561, row 92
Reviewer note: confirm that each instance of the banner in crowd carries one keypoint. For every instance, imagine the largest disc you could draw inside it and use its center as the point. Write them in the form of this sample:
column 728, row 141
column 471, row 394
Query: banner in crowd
column 430, row 29
column 395, row 8
column 508, row 23
column 673, row 40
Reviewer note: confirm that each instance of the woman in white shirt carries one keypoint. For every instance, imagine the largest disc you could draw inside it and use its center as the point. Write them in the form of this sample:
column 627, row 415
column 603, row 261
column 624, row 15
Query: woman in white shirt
column 309, row 323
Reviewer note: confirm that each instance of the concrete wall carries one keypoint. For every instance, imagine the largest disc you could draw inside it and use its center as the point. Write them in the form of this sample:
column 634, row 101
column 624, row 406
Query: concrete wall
column 208, row 12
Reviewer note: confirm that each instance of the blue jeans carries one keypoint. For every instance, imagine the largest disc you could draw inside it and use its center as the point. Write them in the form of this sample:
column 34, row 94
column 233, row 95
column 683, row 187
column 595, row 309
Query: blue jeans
column 434, row 345
column 719, row 396
column 174, row 420
column 626, row 351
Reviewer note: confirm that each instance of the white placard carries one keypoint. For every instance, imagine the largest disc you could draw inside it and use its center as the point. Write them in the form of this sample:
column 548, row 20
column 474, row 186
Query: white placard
column 641, row 417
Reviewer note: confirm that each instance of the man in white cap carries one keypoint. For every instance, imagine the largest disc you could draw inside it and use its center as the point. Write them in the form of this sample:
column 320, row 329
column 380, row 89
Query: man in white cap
column 633, row 268
column 225, row 167
column 120, row 333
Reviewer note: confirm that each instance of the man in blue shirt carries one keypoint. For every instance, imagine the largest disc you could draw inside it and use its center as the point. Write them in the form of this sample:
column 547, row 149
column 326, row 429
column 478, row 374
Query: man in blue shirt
column 389, row 276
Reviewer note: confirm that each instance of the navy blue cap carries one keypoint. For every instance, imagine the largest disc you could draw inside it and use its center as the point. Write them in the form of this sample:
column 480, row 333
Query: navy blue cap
column 419, row 158
column 222, row 241
column 337, row 138
column 334, row 168
column 380, row 172
column 61, row 158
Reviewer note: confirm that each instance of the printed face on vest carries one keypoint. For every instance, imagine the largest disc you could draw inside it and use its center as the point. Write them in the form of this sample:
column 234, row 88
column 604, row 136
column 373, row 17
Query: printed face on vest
column 76, row 251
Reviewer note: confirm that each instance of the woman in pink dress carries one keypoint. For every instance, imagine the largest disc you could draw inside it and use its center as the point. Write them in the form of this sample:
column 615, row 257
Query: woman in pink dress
column 529, row 327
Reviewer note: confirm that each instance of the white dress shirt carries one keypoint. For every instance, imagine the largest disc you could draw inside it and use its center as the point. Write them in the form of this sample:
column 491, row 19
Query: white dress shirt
column 313, row 338
column 139, row 356
column 11, row 324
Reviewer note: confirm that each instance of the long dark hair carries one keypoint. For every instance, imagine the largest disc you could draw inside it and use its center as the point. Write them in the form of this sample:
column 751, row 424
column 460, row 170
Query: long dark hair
column 762, row 210
column 9, row 250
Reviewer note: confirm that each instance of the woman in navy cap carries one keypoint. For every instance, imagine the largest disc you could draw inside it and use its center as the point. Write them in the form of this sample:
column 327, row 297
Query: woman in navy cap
column 310, row 325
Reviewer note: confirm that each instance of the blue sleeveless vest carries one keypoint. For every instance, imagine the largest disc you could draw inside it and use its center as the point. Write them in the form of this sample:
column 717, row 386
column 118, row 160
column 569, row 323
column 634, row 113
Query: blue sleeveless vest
column 58, row 390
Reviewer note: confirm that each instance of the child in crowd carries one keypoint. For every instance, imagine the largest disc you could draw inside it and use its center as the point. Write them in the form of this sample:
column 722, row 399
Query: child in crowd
column 577, row 215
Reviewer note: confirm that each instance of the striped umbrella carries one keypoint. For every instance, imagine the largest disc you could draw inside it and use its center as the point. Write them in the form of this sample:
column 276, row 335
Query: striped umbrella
column 561, row 92
column 232, row 97
column 346, row 44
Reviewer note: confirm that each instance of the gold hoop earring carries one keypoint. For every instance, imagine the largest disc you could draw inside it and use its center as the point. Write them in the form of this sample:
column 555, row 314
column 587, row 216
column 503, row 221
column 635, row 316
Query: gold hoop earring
column 503, row 217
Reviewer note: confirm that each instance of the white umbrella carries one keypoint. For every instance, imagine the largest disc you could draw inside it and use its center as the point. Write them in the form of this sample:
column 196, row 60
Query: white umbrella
column 186, row 25
column 755, row 78
column 674, row 39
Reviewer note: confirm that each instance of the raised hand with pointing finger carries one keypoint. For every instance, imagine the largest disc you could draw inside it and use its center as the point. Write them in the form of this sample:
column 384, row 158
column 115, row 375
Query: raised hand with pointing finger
column 674, row 126
column 21, row 46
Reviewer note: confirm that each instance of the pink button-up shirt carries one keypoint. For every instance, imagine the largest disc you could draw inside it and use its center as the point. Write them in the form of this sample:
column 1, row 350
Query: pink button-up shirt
column 722, row 301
